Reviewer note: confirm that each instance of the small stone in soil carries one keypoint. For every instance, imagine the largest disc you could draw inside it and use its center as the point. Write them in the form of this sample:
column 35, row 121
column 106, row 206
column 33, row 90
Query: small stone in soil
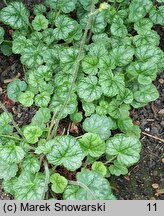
column 155, row 130
column 161, row 112
column 162, row 124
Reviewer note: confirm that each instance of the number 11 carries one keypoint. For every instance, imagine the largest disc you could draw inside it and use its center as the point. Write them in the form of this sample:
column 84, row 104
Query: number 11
column 152, row 206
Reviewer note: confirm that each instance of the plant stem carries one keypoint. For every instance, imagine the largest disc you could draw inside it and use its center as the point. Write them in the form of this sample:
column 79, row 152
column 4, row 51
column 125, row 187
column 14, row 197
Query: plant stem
column 83, row 186
column 131, row 80
column 8, row 136
column 46, row 179
column 79, row 137
column 109, row 161
column 75, row 73
column 12, row 120
column 5, row 2
column 51, row 126
column 57, row 14
column 7, row 41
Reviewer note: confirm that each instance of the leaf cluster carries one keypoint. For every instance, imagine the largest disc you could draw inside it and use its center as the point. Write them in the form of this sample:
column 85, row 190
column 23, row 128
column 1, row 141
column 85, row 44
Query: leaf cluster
column 99, row 55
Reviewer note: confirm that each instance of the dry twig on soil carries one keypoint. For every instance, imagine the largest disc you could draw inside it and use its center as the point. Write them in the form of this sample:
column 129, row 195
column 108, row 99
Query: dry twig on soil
column 154, row 137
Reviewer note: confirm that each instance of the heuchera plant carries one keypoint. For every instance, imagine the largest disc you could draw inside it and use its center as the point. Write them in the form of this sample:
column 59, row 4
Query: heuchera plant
column 88, row 60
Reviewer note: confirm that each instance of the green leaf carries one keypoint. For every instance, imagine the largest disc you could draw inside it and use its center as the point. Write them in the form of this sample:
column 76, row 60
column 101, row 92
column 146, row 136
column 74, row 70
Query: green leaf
column 118, row 28
column 126, row 149
column 43, row 72
column 101, row 38
column 149, row 37
column 89, row 108
column 20, row 43
column 42, row 99
column 2, row 33
column 48, row 36
column 117, row 42
column 67, row 152
column 6, row 49
column 122, row 55
column 8, row 185
column 11, row 153
column 107, row 62
column 125, row 124
column 29, row 186
column 99, row 23
column 118, row 169
column 20, row 32
column 36, row 37
column 92, row 144
column 145, row 72
column 146, row 94
column 90, row 65
column 74, row 192
column 76, row 117
column 26, row 98
column 59, row 99
column 46, row 87
column 32, row 133
column 116, row 109
column 98, row 50
column 42, row 116
column 65, row 5
column 143, row 25
column 4, row 119
column 76, row 33
column 32, row 56
column 95, row 187
column 87, row 4
column 99, row 167
column 157, row 15
column 91, row 160
column 100, row 125
column 5, row 128
column 68, row 59
column 7, row 170
column 88, row 89
column 65, row 25
column 149, row 53
column 126, row 96
column 30, row 164
column 111, row 85
column 59, row 183
column 103, row 107
column 138, row 9
column 40, row 23
column 39, row 9
column 15, row 14
column 44, row 148
column 15, row 88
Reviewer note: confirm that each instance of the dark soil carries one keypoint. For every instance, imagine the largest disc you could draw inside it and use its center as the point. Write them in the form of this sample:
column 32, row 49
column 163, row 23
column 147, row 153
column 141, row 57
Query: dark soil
column 141, row 179
column 145, row 180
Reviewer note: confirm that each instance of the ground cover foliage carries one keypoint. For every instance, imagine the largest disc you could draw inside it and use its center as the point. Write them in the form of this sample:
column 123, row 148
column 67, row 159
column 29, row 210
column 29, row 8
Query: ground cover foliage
column 90, row 61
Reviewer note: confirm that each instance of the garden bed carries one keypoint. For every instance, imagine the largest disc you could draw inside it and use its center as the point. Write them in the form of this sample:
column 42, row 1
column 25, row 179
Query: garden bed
column 145, row 179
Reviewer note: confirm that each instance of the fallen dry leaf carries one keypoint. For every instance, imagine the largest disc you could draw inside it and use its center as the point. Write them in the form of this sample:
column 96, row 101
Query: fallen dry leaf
column 74, row 128
column 155, row 186
column 7, row 101
column 159, row 192
column 127, row 178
